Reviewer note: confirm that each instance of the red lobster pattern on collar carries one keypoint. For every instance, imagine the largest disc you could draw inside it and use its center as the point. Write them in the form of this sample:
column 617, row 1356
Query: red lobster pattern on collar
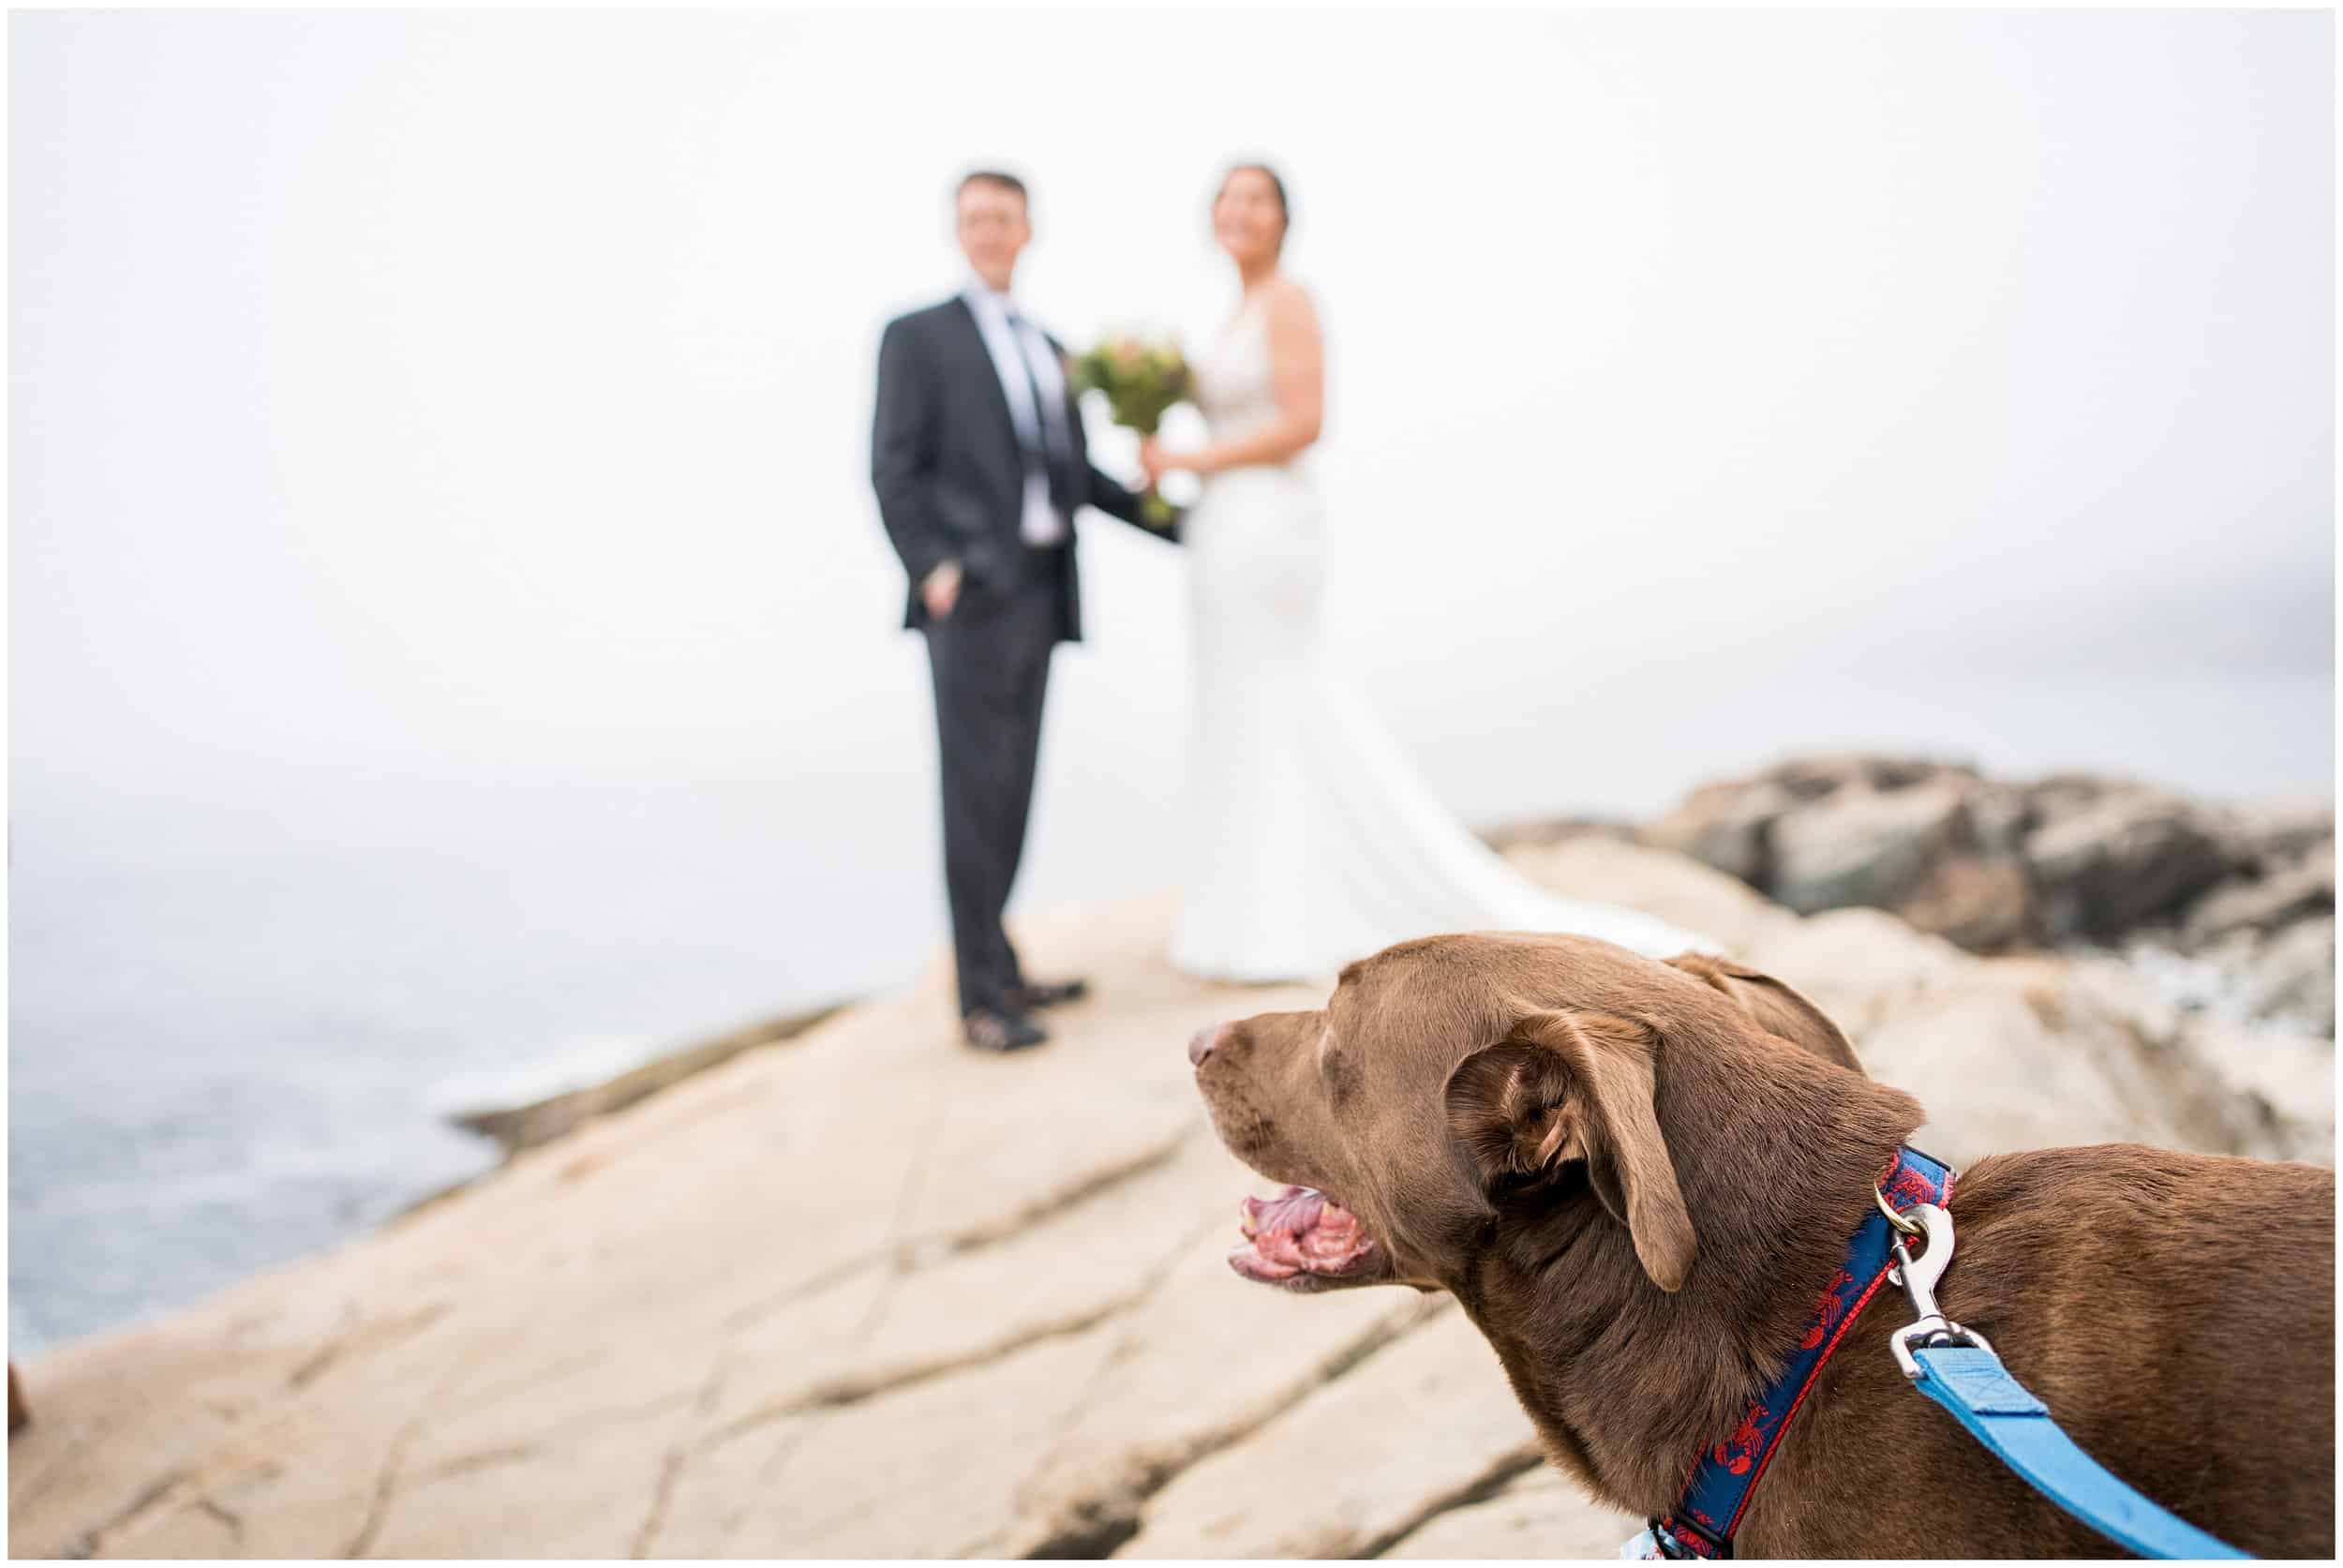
column 1719, row 1484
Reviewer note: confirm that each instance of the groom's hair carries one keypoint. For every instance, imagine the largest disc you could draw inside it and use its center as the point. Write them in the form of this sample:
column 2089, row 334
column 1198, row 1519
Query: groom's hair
column 1009, row 183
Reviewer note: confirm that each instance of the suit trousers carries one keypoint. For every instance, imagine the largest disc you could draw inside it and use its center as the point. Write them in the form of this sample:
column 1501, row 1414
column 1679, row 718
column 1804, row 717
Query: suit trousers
column 990, row 660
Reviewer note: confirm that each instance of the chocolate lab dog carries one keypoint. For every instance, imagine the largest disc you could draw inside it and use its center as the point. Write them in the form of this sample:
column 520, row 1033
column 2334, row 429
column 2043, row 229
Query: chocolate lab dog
column 1635, row 1177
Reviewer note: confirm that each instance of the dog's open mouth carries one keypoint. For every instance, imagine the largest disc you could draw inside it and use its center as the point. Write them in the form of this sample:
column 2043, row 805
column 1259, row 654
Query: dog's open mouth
column 1301, row 1239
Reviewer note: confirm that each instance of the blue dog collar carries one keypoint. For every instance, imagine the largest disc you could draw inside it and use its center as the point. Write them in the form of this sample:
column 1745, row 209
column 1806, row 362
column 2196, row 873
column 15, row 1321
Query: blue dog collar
column 1716, row 1493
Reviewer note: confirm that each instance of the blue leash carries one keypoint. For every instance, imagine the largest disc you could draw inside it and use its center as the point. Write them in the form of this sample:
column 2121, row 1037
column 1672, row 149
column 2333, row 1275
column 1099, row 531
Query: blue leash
column 1953, row 1366
column 1971, row 1383
column 1957, row 1368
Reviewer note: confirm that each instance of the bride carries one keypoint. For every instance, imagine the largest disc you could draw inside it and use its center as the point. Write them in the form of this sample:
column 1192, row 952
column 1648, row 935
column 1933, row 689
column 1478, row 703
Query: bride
column 1314, row 843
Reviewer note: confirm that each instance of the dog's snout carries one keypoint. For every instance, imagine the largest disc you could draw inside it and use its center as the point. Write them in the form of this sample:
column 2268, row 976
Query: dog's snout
column 1200, row 1044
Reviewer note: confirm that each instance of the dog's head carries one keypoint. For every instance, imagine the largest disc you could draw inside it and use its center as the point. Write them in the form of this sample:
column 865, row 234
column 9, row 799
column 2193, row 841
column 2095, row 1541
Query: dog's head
column 1459, row 1094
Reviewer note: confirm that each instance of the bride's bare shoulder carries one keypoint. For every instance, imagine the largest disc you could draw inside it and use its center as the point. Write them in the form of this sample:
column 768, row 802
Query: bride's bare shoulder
column 1289, row 303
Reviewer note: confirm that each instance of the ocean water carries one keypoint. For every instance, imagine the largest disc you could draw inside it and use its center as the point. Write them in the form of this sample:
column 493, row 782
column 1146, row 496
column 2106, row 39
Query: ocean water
column 238, row 1020
column 239, row 1042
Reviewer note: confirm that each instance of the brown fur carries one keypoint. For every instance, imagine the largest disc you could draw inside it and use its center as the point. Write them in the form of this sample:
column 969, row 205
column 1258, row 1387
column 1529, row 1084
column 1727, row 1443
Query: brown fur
column 1636, row 1177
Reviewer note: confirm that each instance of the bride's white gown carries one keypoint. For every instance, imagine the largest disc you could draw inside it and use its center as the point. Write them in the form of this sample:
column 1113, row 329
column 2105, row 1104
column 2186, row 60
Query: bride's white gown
column 1312, row 841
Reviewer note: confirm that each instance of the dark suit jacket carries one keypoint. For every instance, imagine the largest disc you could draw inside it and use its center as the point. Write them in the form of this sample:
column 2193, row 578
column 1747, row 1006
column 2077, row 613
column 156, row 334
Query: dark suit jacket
column 945, row 464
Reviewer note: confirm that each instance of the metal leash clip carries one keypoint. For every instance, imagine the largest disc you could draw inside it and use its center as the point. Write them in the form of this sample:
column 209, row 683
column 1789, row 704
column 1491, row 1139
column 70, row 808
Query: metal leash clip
column 1918, row 1277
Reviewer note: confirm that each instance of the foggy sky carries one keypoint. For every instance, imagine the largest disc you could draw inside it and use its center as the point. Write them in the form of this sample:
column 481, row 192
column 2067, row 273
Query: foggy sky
column 443, row 397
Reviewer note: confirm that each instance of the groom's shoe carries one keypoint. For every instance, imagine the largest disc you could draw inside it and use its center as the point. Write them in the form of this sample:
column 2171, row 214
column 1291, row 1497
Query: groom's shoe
column 1001, row 1031
column 1025, row 998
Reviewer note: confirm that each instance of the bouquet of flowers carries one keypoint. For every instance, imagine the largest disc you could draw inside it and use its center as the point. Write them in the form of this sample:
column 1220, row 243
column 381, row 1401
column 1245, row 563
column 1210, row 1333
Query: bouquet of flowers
column 1140, row 380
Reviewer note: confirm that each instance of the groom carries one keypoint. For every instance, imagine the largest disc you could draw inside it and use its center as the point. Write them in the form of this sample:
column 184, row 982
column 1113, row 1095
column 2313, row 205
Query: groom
column 977, row 457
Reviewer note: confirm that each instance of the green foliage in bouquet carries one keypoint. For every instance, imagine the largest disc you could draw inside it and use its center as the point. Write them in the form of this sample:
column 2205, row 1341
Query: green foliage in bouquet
column 1140, row 380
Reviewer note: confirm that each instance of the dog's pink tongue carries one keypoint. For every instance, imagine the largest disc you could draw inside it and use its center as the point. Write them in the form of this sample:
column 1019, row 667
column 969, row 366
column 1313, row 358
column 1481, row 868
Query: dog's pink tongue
column 1297, row 1208
column 1300, row 1230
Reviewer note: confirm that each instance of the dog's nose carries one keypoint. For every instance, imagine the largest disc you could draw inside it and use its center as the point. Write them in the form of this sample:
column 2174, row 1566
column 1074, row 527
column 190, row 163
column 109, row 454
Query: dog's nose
column 1201, row 1044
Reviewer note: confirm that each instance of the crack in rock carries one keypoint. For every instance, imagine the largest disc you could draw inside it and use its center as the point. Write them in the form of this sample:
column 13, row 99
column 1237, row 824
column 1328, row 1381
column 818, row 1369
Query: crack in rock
column 389, row 1331
column 156, row 1498
column 837, row 1274
column 1100, row 1523
column 464, row 1464
column 842, row 1392
column 765, row 1473
column 913, row 1257
column 839, row 1395
column 1090, row 1185
column 679, row 1452
column 233, row 1522
column 1501, row 1474
column 386, row 1481
column 148, row 1498
column 897, row 1263
column 1096, row 1528
column 1128, row 1345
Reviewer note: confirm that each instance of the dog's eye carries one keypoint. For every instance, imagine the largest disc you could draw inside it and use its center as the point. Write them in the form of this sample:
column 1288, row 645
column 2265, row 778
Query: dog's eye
column 1514, row 1183
column 1548, row 1184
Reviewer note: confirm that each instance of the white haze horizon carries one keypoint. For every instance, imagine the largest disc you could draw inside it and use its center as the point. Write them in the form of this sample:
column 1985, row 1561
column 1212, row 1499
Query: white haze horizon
column 452, row 632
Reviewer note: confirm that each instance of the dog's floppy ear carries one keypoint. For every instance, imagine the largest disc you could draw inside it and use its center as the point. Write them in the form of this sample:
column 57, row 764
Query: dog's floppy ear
column 1778, row 1009
column 1579, row 1085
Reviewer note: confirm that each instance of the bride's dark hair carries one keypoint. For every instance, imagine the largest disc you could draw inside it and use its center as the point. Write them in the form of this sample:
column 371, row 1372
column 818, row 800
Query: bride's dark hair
column 1284, row 208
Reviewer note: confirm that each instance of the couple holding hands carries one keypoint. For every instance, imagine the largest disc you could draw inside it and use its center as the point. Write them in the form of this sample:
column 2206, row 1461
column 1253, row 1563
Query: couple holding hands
column 1312, row 841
